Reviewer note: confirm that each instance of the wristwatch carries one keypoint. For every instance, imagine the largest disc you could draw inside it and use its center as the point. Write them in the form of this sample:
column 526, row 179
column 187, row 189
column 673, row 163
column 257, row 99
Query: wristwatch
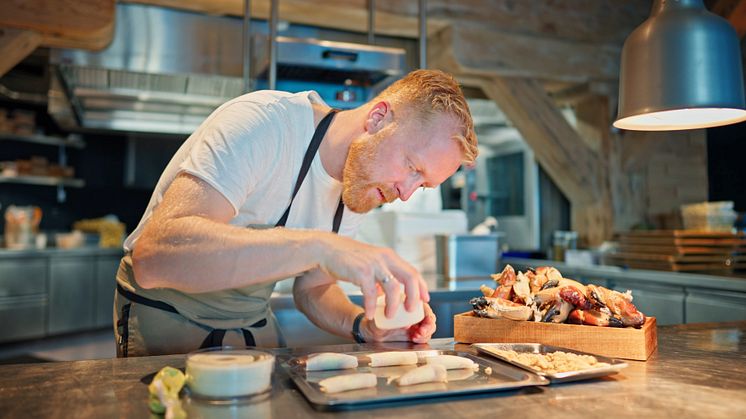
column 356, row 329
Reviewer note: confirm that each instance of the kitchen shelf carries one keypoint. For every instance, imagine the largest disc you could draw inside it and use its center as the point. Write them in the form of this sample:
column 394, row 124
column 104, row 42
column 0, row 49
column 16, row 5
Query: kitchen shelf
column 62, row 143
column 71, row 141
column 44, row 181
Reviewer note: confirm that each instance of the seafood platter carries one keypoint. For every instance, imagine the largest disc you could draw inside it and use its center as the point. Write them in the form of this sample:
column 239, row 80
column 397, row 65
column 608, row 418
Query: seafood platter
column 340, row 381
column 541, row 306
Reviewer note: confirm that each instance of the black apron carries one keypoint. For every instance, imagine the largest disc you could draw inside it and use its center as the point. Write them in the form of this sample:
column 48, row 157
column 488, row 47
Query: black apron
column 215, row 336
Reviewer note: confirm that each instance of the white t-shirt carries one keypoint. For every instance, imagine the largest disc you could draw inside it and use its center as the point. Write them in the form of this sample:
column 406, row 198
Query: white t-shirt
column 250, row 150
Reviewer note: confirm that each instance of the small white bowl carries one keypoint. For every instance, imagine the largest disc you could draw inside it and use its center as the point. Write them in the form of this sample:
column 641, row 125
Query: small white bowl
column 228, row 372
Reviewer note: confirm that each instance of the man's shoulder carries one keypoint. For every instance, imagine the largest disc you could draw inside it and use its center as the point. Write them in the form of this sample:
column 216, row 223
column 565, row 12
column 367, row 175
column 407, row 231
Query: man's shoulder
column 273, row 97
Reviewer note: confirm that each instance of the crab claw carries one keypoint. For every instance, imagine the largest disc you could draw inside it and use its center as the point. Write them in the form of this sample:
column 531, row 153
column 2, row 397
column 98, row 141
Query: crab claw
column 506, row 279
column 575, row 297
column 591, row 317
column 558, row 312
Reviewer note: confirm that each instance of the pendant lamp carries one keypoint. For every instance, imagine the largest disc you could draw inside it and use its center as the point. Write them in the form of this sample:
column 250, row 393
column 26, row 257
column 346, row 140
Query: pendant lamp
column 681, row 69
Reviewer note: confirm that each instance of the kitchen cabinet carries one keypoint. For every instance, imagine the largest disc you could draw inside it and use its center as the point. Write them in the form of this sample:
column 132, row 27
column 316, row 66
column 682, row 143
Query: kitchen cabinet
column 71, row 293
column 106, row 270
column 23, row 298
column 53, row 291
column 704, row 305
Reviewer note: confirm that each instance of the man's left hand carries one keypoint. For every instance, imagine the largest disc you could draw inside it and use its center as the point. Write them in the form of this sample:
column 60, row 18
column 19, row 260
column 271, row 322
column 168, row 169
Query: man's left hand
column 417, row 333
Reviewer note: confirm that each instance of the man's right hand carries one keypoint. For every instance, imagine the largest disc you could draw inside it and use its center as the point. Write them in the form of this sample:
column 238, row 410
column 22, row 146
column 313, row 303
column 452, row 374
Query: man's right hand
column 367, row 266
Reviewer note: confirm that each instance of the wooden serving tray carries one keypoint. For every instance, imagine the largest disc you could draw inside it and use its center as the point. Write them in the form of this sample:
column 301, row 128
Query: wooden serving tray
column 612, row 342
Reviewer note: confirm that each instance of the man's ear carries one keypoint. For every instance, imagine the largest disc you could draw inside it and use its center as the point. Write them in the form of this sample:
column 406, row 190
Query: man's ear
column 378, row 116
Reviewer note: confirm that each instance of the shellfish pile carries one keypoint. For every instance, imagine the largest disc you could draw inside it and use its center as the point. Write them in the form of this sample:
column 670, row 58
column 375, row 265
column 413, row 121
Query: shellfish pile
column 543, row 295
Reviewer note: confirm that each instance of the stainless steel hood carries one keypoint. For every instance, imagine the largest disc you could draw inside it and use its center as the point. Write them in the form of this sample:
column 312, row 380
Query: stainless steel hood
column 166, row 70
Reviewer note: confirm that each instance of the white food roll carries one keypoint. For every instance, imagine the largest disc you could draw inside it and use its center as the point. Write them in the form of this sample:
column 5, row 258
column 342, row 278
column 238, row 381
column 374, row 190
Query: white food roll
column 330, row 361
column 460, row 374
column 228, row 373
column 401, row 318
column 387, row 359
column 430, row 373
column 347, row 382
column 451, row 362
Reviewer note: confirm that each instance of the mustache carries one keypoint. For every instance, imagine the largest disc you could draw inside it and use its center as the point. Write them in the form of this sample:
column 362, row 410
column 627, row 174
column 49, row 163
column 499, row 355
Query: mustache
column 389, row 195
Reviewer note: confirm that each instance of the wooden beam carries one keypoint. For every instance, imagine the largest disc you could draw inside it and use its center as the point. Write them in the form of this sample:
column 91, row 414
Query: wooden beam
column 345, row 15
column 734, row 11
column 595, row 221
column 483, row 49
column 594, row 21
column 577, row 170
column 15, row 45
column 557, row 146
column 87, row 24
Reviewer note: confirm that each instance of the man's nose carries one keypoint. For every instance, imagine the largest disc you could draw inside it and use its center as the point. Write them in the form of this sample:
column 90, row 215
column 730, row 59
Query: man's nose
column 407, row 189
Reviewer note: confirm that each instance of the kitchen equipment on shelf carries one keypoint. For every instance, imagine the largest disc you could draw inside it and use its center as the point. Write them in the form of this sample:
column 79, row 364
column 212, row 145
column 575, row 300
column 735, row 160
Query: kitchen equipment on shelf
column 21, row 226
column 468, row 256
column 709, row 216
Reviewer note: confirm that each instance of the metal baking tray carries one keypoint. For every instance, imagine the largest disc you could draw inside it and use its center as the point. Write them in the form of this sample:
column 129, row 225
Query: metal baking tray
column 460, row 382
column 614, row 367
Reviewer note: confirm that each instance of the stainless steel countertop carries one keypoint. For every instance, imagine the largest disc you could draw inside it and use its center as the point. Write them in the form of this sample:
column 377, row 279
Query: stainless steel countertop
column 6, row 253
column 699, row 370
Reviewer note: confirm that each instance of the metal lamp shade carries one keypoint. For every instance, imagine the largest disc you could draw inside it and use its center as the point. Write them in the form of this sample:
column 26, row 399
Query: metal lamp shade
column 681, row 69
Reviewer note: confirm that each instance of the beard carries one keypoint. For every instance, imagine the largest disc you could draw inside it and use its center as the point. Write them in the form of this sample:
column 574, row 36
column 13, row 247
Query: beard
column 357, row 183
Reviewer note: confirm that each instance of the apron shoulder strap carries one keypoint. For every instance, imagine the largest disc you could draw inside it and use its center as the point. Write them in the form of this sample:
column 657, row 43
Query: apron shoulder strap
column 313, row 148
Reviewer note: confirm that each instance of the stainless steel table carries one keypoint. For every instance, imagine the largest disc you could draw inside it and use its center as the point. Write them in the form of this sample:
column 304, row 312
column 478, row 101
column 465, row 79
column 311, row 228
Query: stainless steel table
column 699, row 370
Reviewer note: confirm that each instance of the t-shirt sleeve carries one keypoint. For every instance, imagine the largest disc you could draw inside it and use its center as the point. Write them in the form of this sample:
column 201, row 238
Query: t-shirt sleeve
column 232, row 149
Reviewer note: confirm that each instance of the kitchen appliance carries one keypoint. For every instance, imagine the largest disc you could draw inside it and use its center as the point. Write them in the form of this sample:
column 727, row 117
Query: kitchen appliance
column 166, row 70
column 463, row 257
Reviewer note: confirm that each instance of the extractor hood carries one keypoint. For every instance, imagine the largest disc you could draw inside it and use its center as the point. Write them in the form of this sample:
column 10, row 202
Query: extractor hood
column 166, row 70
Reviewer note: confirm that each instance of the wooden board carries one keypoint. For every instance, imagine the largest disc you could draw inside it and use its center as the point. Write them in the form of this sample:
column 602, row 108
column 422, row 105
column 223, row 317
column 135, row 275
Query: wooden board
column 679, row 250
column 724, row 259
column 675, row 250
column 683, row 234
column 627, row 343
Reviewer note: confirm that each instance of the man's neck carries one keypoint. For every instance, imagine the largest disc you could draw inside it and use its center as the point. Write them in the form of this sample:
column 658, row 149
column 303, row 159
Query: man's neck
column 346, row 126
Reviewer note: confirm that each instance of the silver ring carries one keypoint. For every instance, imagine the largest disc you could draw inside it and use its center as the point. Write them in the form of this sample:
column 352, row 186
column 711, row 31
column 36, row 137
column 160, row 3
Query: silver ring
column 386, row 279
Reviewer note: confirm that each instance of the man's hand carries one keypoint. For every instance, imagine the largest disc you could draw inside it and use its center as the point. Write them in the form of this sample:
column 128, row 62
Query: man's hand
column 366, row 266
column 417, row 333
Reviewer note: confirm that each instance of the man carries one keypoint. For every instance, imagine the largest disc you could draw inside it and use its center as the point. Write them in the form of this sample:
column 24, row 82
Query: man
column 256, row 195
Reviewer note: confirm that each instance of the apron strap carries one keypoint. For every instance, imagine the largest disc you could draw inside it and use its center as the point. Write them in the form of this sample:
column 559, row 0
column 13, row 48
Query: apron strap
column 313, row 148
column 139, row 299
column 216, row 336
column 213, row 339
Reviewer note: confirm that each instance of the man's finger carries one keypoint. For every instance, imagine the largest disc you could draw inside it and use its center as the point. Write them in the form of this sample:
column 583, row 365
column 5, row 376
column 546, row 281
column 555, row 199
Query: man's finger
column 393, row 296
column 370, row 295
column 411, row 288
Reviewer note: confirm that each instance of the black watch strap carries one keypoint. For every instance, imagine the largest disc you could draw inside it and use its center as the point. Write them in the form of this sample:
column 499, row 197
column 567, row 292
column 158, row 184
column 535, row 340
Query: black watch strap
column 356, row 329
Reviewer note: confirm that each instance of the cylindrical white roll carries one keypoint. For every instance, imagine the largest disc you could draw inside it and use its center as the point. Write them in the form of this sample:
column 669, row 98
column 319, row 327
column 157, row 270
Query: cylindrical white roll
column 402, row 317
column 430, row 373
column 348, row 382
column 227, row 373
column 330, row 361
column 387, row 359
column 451, row 362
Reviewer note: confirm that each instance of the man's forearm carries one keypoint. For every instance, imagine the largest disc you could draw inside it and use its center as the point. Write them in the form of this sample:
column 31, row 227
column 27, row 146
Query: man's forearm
column 194, row 254
column 328, row 307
